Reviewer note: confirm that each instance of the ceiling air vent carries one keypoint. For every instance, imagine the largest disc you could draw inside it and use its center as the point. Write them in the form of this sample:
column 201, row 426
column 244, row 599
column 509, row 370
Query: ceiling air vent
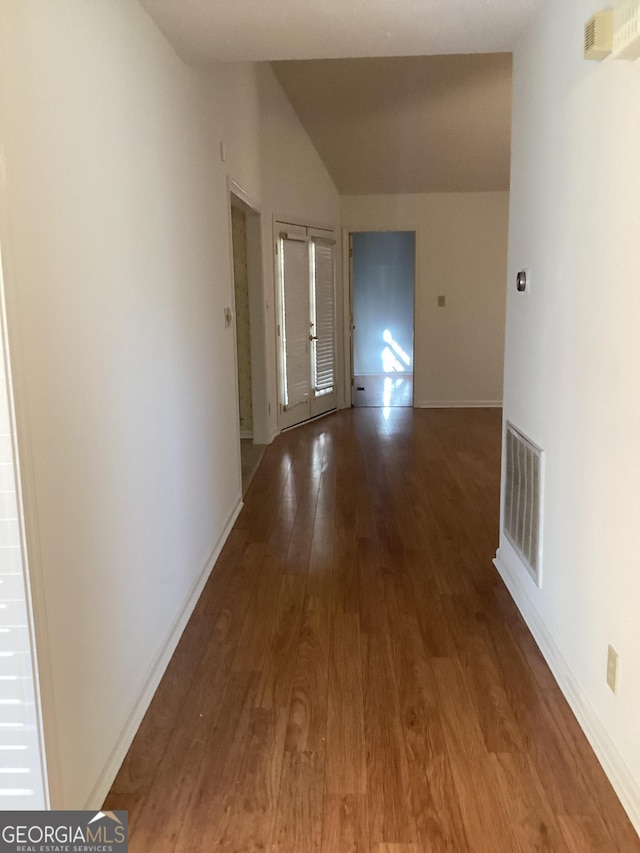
column 523, row 499
column 598, row 35
column 626, row 35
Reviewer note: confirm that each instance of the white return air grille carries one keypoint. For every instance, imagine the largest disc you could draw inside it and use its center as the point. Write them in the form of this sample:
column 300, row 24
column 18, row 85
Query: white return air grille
column 626, row 30
column 523, row 499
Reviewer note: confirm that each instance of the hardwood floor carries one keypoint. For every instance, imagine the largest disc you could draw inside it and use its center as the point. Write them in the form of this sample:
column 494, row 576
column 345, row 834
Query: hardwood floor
column 378, row 390
column 250, row 456
column 355, row 676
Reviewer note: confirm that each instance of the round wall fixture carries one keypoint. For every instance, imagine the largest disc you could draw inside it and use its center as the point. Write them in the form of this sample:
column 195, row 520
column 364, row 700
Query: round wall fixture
column 521, row 281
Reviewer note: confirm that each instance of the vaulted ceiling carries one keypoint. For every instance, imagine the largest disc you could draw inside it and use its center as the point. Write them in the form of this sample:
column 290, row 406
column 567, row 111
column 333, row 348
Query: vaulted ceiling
column 397, row 95
column 407, row 124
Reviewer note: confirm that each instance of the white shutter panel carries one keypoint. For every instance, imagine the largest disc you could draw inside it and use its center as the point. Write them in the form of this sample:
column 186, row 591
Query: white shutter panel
column 295, row 320
column 323, row 303
column 22, row 782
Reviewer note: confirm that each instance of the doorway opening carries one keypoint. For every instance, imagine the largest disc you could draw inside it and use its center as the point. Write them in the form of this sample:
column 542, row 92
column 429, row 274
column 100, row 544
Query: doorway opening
column 382, row 298
column 246, row 246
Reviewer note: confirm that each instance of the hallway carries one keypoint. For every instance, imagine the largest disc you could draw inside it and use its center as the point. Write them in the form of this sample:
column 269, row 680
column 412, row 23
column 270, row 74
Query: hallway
column 355, row 676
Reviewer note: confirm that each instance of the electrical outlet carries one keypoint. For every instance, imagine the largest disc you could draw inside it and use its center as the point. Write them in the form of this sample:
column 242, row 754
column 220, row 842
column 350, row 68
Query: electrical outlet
column 612, row 669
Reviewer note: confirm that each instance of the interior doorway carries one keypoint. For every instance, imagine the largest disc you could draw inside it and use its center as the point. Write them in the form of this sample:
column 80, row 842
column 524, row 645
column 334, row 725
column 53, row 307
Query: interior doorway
column 382, row 298
column 246, row 246
column 243, row 324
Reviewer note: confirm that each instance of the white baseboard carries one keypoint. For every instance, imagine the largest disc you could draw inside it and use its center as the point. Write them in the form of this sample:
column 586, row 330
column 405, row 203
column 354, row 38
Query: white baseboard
column 625, row 785
column 246, row 433
column 275, row 432
column 102, row 786
column 457, row 404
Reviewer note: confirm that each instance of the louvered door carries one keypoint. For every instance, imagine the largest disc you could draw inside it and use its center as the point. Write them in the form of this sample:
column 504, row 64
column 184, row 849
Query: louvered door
column 306, row 323
column 294, row 326
column 323, row 325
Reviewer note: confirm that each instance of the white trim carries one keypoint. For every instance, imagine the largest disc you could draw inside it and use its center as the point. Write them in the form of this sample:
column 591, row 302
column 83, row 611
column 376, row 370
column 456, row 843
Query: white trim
column 246, row 433
column 326, row 234
column 310, row 420
column 347, row 321
column 294, row 221
column 234, row 327
column 234, row 188
column 613, row 763
column 458, row 404
column 348, row 274
column 27, row 520
column 239, row 198
column 296, row 238
column 275, row 432
column 157, row 669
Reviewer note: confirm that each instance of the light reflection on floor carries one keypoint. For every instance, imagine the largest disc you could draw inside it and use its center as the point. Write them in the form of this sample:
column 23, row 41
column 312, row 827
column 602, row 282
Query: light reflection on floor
column 383, row 391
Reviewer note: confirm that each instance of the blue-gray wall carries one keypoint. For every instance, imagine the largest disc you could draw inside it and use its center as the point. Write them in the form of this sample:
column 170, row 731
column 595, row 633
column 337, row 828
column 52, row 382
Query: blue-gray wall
column 383, row 284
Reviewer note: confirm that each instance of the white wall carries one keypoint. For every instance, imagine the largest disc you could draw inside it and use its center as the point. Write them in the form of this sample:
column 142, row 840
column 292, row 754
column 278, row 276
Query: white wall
column 461, row 253
column 573, row 367
column 115, row 231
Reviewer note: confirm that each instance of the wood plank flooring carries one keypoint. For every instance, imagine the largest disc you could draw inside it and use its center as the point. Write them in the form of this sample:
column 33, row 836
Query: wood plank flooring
column 355, row 676
column 383, row 389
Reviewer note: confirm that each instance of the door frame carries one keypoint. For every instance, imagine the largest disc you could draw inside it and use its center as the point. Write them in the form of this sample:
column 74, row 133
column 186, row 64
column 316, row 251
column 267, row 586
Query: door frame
column 238, row 197
column 301, row 411
column 27, row 567
column 280, row 223
column 347, row 274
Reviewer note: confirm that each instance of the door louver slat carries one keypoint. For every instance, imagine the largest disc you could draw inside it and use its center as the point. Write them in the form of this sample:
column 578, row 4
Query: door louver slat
column 295, row 271
column 324, row 318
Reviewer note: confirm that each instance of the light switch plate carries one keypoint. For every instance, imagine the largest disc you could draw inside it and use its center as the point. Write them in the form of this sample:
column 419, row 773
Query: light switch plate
column 612, row 669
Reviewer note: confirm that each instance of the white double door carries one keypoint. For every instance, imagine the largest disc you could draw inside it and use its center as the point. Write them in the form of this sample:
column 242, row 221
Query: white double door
column 306, row 323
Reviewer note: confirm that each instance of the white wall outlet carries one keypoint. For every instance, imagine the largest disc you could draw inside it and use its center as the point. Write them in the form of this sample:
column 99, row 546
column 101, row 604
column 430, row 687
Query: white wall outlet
column 223, row 152
column 612, row 669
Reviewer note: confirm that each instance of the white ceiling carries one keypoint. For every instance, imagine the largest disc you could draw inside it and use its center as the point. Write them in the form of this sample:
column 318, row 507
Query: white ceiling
column 230, row 30
column 388, row 97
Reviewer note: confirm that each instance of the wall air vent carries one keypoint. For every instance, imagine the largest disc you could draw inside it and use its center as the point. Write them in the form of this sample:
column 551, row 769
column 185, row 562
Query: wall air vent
column 626, row 30
column 523, row 499
column 598, row 36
